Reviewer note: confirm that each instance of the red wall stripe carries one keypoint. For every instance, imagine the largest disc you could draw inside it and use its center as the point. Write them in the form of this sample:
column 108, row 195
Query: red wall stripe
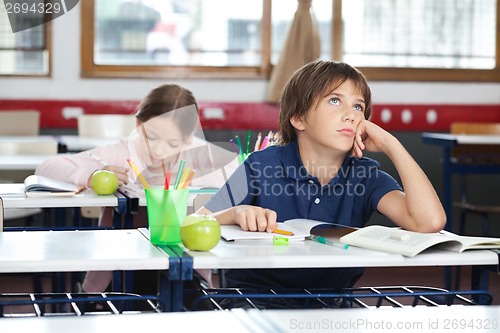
column 257, row 116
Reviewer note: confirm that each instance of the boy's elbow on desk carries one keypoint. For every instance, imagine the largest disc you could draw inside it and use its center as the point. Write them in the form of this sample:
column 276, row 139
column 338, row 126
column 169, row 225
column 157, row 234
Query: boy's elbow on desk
column 433, row 224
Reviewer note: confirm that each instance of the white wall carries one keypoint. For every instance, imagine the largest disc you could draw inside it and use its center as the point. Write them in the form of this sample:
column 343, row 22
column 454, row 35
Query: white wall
column 66, row 83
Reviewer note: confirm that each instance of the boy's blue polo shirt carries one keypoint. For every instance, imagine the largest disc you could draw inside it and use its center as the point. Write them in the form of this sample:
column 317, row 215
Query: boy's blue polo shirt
column 276, row 178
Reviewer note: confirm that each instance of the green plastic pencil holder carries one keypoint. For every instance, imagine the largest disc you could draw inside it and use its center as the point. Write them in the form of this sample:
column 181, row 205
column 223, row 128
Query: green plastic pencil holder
column 166, row 211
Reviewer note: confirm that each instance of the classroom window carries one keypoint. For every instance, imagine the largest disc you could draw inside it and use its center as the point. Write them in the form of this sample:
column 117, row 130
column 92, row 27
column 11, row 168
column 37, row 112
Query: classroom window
column 26, row 52
column 387, row 39
column 420, row 34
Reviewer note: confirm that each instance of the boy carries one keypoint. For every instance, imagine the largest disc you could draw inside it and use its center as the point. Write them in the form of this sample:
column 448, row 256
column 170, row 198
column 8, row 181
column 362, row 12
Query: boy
column 319, row 172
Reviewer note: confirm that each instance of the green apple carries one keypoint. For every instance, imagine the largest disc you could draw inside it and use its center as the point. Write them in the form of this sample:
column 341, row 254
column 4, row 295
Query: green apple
column 200, row 232
column 104, row 182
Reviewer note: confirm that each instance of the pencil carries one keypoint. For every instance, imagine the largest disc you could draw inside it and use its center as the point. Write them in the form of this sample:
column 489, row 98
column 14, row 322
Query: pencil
column 188, row 180
column 97, row 158
column 257, row 143
column 283, row 232
column 247, row 147
column 141, row 177
column 264, row 143
column 163, row 168
column 179, row 174
column 184, row 177
column 238, row 142
column 104, row 163
column 167, row 179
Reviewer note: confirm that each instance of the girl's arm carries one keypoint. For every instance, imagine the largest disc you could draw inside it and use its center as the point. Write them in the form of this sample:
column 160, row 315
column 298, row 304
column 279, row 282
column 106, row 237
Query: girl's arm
column 79, row 168
column 418, row 208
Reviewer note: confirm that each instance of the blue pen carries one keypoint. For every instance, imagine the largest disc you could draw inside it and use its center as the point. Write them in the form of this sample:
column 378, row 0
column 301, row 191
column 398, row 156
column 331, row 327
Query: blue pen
column 323, row 240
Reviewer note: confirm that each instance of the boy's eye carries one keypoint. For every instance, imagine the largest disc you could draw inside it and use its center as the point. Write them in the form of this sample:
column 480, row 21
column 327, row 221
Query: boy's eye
column 359, row 107
column 334, row 101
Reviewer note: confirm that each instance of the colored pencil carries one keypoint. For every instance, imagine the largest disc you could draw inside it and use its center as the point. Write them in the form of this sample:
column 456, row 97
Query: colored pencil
column 179, row 174
column 238, row 142
column 185, row 174
column 257, row 143
column 188, row 180
column 141, row 177
column 247, row 147
column 283, row 232
column 167, row 179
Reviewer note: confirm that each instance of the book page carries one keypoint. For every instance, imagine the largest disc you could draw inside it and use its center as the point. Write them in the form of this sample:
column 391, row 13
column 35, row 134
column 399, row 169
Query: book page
column 35, row 185
column 470, row 242
column 393, row 240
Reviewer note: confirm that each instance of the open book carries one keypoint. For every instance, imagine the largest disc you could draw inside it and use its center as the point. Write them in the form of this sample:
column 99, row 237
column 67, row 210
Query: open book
column 39, row 186
column 409, row 243
column 301, row 228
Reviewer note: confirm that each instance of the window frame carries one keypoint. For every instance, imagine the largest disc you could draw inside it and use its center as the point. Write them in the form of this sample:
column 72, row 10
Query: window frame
column 90, row 69
column 48, row 48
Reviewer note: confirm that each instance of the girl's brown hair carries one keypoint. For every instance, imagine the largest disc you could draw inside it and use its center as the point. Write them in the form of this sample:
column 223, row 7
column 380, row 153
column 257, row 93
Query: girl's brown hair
column 312, row 82
column 167, row 98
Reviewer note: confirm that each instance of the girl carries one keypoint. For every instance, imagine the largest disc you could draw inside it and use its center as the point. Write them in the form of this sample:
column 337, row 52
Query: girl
column 167, row 121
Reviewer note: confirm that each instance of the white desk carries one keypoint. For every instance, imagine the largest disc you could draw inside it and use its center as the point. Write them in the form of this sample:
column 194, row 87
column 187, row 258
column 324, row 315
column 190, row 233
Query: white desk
column 418, row 319
column 22, row 162
column 26, row 139
column 13, row 197
column 463, row 139
column 75, row 143
column 202, row 321
column 76, row 251
column 87, row 250
column 454, row 319
column 310, row 254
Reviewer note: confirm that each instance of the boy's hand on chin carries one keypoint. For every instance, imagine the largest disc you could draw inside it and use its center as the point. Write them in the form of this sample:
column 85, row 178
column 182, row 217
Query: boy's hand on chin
column 369, row 137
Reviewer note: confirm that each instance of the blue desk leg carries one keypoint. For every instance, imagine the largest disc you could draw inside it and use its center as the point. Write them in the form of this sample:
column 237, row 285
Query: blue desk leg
column 479, row 281
column 171, row 286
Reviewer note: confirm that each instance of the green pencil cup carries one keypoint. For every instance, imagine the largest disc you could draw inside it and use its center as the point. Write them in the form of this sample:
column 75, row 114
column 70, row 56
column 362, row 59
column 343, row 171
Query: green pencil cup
column 166, row 211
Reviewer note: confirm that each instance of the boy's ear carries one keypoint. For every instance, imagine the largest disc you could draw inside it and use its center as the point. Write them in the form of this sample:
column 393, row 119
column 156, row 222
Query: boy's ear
column 297, row 122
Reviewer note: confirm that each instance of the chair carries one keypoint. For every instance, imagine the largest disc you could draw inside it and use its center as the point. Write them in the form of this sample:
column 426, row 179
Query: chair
column 106, row 126
column 21, row 122
column 478, row 155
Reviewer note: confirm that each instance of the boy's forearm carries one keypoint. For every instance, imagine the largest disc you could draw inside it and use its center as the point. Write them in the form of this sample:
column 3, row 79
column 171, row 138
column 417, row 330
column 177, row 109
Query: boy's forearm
column 422, row 201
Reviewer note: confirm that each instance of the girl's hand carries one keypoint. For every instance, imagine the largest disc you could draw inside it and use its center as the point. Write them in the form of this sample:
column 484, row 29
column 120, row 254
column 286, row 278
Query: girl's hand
column 369, row 137
column 253, row 218
column 120, row 172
